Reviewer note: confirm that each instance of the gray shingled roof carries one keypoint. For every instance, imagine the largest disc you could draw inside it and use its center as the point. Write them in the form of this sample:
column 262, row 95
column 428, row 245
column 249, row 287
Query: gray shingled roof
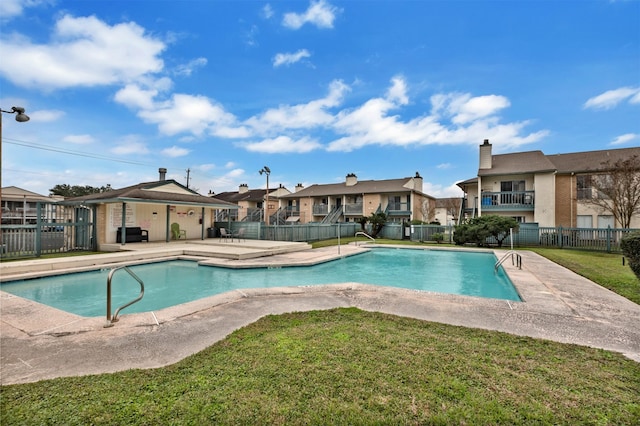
column 578, row 162
column 235, row 196
column 518, row 162
column 538, row 162
column 141, row 193
column 361, row 187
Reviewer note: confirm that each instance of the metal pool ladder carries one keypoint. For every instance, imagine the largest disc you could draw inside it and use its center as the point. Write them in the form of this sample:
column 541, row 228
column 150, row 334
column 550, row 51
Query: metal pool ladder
column 110, row 319
column 518, row 260
column 366, row 235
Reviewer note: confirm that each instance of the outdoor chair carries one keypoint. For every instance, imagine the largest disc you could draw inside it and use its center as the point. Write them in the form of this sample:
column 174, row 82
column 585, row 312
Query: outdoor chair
column 240, row 234
column 226, row 235
column 177, row 233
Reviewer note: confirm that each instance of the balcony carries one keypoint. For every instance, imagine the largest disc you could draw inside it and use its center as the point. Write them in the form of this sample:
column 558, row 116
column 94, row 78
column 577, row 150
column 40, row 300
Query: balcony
column 353, row 209
column 320, row 209
column 513, row 200
column 398, row 209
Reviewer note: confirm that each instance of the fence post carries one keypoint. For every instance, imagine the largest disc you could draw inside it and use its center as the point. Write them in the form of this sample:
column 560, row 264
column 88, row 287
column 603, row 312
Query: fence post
column 560, row 236
column 608, row 238
column 38, row 229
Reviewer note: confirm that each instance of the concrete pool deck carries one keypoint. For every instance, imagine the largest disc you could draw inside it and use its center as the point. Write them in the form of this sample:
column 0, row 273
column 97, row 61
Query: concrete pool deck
column 39, row 342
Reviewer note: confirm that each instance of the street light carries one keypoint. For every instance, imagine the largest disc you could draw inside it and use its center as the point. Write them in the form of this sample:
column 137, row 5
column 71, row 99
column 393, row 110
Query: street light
column 266, row 171
column 20, row 117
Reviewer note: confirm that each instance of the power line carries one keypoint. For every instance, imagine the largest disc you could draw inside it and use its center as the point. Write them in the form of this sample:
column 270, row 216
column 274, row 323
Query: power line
column 71, row 152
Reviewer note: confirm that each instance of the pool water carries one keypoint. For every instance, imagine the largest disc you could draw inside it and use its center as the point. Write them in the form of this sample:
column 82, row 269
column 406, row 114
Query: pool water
column 174, row 282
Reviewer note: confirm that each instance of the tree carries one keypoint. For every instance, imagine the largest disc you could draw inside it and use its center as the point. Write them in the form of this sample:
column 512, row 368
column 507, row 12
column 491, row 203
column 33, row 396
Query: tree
column 69, row 191
column 377, row 221
column 618, row 190
column 478, row 229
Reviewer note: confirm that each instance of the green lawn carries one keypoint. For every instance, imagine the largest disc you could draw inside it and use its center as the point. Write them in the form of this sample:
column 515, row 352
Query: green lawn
column 347, row 366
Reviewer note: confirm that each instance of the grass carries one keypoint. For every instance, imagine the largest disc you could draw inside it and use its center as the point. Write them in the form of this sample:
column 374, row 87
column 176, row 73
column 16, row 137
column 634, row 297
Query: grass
column 347, row 366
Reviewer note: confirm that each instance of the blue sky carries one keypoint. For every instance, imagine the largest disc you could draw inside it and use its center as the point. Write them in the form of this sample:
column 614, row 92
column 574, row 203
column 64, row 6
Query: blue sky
column 312, row 89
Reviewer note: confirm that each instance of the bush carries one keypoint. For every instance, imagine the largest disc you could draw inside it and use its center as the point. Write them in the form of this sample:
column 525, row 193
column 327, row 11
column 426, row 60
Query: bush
column 438, row 237
column 478, row 229
column 630, row 246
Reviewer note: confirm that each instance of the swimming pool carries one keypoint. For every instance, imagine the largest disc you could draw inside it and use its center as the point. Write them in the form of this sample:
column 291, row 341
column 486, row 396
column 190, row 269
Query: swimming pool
column 179, row 281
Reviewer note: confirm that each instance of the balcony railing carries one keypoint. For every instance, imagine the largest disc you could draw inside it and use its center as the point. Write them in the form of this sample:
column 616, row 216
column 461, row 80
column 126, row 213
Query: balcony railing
column 353, row 209
column 512, row 200
column 320, row 209
column 395, row 208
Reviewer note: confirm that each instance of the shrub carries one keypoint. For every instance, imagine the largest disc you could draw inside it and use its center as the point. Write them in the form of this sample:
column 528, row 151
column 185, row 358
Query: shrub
column 478, row 229
column 438, row 237
column 630, row 246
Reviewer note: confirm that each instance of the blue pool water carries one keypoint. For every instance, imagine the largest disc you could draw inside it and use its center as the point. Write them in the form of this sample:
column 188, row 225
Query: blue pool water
column 175, row 282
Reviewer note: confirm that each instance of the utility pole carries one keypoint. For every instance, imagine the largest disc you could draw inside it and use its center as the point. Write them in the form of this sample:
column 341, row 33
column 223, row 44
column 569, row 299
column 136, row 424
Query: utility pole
column 188, row 173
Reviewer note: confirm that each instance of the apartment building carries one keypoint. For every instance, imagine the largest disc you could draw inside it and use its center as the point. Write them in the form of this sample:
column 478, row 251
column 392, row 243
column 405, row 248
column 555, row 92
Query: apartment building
column 401, row 200
column 550, row 190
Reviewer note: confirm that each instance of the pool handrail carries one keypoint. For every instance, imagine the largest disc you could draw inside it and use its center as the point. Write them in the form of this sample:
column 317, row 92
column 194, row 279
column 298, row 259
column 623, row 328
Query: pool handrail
column 364, row 234
column 511, row 253
column 110, row 319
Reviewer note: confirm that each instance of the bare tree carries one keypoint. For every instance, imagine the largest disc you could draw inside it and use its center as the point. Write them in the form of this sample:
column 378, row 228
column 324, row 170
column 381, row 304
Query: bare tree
column 452, row 205
column 618, row 189
column 428, row 210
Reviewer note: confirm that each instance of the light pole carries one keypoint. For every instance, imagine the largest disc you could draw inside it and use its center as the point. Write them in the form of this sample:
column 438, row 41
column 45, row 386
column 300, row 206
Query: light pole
column 267, row 172
column 20, row 117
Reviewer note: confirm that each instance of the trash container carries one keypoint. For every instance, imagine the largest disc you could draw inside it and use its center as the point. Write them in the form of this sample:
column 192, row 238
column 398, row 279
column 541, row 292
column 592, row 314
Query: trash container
column 212, row 232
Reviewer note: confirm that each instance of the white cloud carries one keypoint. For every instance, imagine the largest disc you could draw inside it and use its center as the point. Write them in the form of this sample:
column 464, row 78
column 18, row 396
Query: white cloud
column 479, row 107
column 9, row 9
column 472, row 119
column 611, row 98
column 267, row 11
column 623, row 139
column 188, row 68
column 175, row 151
column 189, row 114
column 46, row 115
column 290, row 58
column 283, row 145
column 85, row 52
column 320, row 13
column 444, row 166
column 79, row 139
column 302, row 116
column 130, row 146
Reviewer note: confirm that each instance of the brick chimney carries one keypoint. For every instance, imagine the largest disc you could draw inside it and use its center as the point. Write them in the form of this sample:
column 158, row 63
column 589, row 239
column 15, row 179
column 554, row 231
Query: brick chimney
column 243, row 188
column 352, row 179
column 485, row 155
column 163, row 173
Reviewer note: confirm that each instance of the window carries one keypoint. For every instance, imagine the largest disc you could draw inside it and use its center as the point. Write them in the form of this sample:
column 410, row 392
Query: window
column 519, row 219
column 584, row 186
column 605, row 221
column 585, row 221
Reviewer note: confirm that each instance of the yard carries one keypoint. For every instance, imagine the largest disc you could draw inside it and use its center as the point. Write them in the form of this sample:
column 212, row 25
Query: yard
column 347, row 366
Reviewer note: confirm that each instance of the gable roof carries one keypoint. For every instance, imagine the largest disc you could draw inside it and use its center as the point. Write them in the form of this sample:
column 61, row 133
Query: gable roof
column 13, row 193
column 517, row 163
column 159, row 192
column 249, row 195
column 578, row 162
column 360, row 187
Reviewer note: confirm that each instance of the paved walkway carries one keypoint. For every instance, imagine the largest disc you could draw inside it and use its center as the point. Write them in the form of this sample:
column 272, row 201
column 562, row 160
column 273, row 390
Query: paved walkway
column 38, row 342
